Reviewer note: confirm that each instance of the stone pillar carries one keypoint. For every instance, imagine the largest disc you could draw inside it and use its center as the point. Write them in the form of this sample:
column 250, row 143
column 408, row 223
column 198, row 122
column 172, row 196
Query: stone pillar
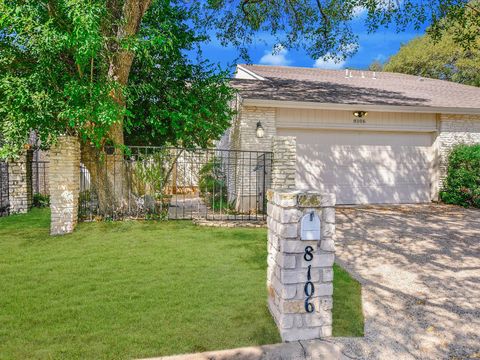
column 284, row 168
column 20, row 192
column 301, row 308
column 64, row 184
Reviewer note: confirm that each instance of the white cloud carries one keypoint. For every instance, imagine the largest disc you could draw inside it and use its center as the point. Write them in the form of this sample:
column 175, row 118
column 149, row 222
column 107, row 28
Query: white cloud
column 358, row 11
column 328, row 63
column 383, row 5
column 278, row 56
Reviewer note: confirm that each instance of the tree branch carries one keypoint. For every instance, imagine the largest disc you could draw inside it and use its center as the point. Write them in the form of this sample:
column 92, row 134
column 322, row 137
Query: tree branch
column 245, row 3
column 473, row 9
column 294, row 11
column 325, row 18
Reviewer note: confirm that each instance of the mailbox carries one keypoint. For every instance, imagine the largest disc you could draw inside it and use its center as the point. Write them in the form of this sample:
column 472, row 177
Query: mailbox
column 310, row 227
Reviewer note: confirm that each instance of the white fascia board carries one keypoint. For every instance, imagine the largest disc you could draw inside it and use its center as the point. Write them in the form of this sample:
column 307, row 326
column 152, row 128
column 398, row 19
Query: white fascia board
column 251, row 73
column 362, row 127
column 385, row 108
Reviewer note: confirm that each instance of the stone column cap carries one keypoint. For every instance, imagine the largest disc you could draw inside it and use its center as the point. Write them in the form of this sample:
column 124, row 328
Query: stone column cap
column 300, row 198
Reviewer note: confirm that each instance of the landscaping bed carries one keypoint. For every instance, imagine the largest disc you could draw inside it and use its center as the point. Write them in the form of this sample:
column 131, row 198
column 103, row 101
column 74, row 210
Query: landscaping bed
column 134, row 289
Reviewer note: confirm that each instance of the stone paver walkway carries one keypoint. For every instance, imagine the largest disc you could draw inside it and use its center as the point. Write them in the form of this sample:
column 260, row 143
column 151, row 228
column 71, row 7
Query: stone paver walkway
column 420, row 270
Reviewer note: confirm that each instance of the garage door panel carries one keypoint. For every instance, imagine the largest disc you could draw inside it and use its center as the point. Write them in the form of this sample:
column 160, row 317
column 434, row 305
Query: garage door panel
column 379, row 194
column 397, row 157
column 365, row 167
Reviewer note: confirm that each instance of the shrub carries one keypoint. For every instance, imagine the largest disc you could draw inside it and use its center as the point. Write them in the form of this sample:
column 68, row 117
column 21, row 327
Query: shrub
column 151, row 180
column 212, row 183
column 41, row 200
column 462, row 185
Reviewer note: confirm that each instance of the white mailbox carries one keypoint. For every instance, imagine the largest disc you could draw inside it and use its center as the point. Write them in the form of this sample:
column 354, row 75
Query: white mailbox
column 310, row 227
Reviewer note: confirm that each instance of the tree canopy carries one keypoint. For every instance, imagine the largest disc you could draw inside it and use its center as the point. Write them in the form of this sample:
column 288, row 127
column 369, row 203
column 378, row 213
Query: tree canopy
column 324, row 27
column 444, row 59
column 173, row 100
column 59, row 75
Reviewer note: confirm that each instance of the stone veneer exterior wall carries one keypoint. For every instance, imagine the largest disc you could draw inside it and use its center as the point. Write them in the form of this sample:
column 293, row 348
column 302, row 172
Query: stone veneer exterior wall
column 288, row 265
column 20, row 183
column 284, row 166
column 249, row 116
column 64, row 185
column 454, row 129
column 242, row 136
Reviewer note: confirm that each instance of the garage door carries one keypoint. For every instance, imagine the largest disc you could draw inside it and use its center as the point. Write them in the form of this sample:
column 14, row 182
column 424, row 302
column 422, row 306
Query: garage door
column 365, row 167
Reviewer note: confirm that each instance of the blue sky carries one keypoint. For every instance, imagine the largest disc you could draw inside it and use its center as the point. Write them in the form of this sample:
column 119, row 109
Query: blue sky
column 376, row 46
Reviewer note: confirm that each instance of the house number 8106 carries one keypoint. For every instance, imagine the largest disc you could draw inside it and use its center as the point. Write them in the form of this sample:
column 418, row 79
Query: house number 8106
column 309, row 288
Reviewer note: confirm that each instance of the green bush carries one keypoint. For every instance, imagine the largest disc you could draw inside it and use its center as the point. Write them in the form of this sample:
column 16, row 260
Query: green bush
column 41, row 200
column 212, row 183
column 462, row 185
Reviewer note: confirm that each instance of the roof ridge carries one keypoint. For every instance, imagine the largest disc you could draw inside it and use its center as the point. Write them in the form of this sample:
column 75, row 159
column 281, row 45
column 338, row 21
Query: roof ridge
column 386, row 74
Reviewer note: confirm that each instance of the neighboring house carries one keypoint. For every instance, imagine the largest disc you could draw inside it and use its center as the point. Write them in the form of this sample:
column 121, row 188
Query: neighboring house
column 396, row 153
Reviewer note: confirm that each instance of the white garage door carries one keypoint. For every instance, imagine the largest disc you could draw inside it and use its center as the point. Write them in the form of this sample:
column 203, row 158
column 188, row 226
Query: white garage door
column 365, row 167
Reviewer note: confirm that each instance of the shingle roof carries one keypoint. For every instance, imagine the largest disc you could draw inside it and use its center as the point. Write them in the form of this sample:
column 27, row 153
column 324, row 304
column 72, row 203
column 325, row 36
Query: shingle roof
column 333, row 86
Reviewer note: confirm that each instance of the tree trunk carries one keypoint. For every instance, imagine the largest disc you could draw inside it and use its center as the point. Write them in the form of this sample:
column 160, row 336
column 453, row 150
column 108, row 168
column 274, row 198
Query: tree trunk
column 109, row 181
column 107, row 171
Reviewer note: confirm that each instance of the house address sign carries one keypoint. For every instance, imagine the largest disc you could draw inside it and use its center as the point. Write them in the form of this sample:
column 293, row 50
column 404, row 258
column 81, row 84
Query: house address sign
column 309, row 230
column 359, row 121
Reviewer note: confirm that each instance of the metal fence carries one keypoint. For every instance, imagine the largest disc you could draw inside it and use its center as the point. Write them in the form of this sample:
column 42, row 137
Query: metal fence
column 4, row 200
column 40, row 177
column 176, row 183
column 39, row 183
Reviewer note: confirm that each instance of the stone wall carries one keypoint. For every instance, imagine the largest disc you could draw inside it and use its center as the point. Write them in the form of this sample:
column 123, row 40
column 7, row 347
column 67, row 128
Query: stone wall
column 64, row 185
column 284, row 162
column 455, row 129
column 289, row 265
column 20, row 183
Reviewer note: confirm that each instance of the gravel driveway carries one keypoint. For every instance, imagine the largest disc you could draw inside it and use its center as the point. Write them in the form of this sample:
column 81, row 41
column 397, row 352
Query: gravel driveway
column 420, row 270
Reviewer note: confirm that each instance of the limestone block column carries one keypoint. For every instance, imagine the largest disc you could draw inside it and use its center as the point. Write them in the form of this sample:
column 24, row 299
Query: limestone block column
column 64, row 184
column 284, row 169
column 300, row 272
column 20, row 191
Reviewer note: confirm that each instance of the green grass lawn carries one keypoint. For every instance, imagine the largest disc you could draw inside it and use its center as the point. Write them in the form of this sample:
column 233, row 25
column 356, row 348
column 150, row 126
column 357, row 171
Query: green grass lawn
column 138, row 289
column 347, row 311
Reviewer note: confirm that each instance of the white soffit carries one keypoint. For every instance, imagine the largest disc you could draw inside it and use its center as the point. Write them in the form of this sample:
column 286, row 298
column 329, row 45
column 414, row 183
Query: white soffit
column 360, row 107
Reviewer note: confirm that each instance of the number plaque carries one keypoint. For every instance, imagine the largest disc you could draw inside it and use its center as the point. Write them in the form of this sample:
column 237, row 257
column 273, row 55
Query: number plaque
column 309, row 288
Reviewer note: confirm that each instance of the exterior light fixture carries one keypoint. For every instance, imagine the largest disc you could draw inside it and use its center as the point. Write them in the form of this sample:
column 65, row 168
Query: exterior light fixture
column 360, row 114
column 260, row 131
